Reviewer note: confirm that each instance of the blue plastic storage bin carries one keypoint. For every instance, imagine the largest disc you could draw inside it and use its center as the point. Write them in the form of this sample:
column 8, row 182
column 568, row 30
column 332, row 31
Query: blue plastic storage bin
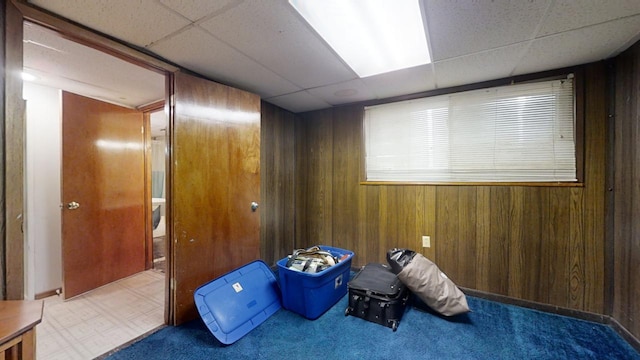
column 310, row 295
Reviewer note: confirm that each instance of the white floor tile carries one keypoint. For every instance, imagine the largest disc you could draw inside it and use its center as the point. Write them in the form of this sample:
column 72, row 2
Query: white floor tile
column 92, row 324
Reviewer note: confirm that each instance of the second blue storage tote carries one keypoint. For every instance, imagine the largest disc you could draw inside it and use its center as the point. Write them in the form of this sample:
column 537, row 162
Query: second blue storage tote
column 311, row 294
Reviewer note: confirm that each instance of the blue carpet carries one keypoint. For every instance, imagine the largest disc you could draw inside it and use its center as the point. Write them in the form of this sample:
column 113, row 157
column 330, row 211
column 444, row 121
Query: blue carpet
column 491, row 331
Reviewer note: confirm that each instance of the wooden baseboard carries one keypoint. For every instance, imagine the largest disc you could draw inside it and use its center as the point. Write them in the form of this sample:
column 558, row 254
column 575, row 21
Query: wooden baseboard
column 582, row 315
column 622, row 331
column 46, row 294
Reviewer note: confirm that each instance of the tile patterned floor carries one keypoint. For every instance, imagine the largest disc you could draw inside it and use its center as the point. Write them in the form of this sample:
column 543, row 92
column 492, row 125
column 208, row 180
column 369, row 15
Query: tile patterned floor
column 92, row 324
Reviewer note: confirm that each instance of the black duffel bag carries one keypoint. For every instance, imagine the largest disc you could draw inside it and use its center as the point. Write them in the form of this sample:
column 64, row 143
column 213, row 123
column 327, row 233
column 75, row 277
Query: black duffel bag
column 399, row 258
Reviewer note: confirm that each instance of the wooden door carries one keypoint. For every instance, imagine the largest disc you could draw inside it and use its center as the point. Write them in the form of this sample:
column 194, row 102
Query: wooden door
column 103, row 171
column 214, row 178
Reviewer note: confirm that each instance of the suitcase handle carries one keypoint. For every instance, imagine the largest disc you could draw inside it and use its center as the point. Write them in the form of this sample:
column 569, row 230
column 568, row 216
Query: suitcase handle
column 367, row 298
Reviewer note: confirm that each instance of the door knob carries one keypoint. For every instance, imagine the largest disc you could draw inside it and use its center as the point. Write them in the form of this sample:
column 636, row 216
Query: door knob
column 73, row 205
column 254, row 206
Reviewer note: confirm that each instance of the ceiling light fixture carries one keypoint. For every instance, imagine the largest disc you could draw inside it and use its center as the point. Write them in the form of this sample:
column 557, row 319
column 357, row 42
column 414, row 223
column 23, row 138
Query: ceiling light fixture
column 372, row 36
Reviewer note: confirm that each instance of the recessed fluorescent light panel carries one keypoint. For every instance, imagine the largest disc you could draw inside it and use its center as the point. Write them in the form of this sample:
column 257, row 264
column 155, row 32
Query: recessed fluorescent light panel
column 371, row 36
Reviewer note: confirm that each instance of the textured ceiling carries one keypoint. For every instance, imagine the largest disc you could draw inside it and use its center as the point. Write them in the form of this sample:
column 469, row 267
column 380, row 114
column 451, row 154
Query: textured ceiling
column 265, row 47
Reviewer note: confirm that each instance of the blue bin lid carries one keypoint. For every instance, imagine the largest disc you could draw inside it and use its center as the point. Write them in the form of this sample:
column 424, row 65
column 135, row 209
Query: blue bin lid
column 236, row 303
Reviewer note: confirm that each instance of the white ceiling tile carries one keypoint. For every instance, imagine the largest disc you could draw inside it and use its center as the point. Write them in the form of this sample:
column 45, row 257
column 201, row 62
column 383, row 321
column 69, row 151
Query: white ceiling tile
column 82, row 70
column 401, row 82
column 139, row 22
column 196, row 50
column 197, row 9
column 272, row 34
column 483, row 66
column 298, row 102
column 570, row 14
column 577, row 46
column 343, row 93
column 265, row 47
column 463, row 27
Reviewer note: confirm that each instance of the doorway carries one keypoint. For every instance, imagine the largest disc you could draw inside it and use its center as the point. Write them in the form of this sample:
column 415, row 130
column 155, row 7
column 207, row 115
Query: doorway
column 57, row 64
column 200, row 111
column 158, row 128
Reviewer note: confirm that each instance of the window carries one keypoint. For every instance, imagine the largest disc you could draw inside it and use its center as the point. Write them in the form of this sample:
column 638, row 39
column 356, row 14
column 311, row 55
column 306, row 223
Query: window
column 515, row 133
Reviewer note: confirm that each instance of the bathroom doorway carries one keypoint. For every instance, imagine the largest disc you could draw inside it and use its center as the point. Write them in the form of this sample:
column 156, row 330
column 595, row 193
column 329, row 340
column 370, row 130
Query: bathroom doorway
column 158, row 128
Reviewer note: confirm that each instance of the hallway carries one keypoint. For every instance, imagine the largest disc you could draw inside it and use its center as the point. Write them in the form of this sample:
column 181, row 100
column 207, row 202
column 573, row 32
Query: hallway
column 94, row 323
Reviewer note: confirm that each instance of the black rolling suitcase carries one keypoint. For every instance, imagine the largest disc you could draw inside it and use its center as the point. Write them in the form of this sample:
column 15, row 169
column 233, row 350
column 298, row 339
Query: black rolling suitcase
column 377, row 295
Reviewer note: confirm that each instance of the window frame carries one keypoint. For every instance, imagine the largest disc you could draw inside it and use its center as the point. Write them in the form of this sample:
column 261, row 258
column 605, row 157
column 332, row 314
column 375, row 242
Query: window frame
column 579, row 88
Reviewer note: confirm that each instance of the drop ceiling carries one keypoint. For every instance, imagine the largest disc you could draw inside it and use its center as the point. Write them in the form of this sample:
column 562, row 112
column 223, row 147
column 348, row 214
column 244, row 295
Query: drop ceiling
column 265, row 47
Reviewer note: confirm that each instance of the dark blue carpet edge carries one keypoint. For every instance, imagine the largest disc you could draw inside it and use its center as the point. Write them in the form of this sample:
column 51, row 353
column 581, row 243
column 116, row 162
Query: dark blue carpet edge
column 491, row 331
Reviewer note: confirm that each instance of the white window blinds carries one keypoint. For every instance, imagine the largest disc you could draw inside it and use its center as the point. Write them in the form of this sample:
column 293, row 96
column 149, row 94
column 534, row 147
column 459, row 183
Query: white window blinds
column 516, row 133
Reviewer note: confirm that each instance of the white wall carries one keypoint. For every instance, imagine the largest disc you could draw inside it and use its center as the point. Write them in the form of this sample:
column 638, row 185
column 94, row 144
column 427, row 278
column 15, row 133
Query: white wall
column 43, row 216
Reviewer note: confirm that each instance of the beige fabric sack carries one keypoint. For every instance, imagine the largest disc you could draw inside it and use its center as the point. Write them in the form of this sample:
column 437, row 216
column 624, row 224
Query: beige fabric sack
column 431, row 285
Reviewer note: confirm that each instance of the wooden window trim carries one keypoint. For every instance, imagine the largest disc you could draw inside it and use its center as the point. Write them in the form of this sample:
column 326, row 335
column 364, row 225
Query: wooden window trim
column 524, row 184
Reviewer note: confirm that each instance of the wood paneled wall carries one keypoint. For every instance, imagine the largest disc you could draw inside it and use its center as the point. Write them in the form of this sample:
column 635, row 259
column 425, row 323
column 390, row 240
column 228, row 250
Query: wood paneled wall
column 2, row 166
column 543, row 244
column 277, row 155
column 626, row 157
column 13, row 155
